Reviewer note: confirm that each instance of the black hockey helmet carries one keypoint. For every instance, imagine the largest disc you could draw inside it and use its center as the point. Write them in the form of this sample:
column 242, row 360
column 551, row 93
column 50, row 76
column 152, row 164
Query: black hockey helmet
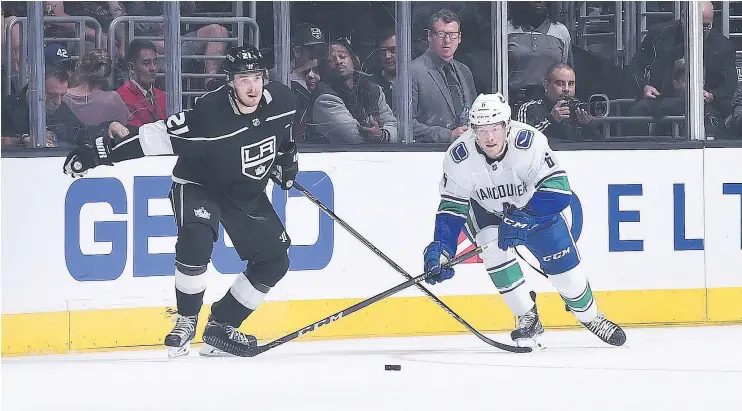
column 243, row 60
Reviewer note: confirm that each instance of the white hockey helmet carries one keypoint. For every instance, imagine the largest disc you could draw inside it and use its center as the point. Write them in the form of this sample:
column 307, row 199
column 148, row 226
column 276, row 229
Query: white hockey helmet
column 489, row 109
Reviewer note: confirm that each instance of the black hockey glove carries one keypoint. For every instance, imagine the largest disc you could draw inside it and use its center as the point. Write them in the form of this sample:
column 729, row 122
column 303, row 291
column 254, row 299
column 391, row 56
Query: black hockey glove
column 286, row 166
column 82, row 159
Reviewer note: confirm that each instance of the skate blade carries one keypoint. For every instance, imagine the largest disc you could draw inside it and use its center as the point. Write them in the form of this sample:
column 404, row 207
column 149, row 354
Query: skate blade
column 531, row 343
column 209, row 351
column 175, row 352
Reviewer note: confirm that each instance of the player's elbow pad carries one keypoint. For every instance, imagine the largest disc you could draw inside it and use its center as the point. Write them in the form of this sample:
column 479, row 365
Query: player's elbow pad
column 546, row 204
column 127, row 149
column 447, row 230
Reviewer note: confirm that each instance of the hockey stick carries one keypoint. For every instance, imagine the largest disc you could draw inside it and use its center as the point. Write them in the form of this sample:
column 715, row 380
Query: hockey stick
column 253, row 351
column 533, row 294
column 500, row 215
column 400, row 270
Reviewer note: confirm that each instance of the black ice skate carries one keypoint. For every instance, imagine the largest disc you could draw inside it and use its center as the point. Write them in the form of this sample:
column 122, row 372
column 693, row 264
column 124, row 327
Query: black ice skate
column 529, row 329
column 179, row 339
column 606, row 330
column 221, row 339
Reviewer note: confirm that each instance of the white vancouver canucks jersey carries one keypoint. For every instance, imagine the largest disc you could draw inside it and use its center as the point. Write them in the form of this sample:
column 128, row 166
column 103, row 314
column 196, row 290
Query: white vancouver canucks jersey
column 528, row 165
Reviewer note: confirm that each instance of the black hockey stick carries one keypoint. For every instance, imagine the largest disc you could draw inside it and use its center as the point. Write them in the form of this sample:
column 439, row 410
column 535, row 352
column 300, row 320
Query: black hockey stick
column 400, row 270
column 538, row 270
column 253, row 351
column 499, row 214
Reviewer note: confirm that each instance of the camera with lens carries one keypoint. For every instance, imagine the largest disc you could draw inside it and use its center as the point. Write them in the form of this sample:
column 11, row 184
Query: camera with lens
column 574, row 104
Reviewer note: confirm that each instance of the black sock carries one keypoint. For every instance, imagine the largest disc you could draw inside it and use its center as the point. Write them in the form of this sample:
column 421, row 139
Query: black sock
column 229, row 310
column 189, row 304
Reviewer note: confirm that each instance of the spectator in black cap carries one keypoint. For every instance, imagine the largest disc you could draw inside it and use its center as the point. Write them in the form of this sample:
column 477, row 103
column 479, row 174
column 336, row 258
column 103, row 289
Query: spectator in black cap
column 15, row 110
column 55, row 53
column 308, row 42
column 307, row 46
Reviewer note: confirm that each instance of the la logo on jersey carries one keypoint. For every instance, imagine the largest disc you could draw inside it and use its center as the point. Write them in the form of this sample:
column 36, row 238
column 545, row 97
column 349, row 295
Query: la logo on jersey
column 202, row 213
column 257, row 158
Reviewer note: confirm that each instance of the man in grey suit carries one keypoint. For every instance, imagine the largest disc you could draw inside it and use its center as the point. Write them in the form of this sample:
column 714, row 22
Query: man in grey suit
column 442, row 88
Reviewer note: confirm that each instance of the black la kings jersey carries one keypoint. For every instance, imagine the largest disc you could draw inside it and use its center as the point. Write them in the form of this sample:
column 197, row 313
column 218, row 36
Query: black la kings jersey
column 227, row 152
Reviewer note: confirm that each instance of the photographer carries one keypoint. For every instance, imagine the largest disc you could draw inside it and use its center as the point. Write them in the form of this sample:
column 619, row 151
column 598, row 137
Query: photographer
column 559, row 115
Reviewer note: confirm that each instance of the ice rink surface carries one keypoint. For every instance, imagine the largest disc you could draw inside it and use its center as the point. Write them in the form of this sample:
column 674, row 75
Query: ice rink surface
column 658, row 369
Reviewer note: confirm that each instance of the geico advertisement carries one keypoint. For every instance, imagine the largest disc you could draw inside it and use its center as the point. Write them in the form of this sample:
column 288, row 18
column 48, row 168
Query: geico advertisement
column 622, row 225
column 149, row 262
column 642, row 220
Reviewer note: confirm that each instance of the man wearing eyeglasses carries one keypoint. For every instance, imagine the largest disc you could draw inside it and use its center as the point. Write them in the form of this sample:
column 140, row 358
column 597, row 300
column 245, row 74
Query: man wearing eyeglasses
column 653, row 64
column 442, row 88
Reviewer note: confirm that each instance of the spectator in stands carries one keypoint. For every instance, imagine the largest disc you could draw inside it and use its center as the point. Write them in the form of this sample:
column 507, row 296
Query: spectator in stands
column 304, row 100
column 145, row 102
column 442, row 88
column 15, row 110
column 87, row 109
column 14, row 49
column 55, row 53
column 208, row 48
column 308, row 44
column 13, row 9
column 734, row 121
column 387, row 76
column 653, row 66
column 535, row 42
column 552, row 115
column 713, row 121
column 102, row 11
column 348, row 106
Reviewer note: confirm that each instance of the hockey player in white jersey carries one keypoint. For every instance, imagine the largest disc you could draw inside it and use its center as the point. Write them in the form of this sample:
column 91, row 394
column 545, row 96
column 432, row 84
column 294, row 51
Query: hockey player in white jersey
column 502, row 180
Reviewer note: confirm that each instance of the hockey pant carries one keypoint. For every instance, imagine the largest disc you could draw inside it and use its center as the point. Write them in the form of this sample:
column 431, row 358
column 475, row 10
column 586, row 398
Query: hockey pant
column 552, row 244
column 258, row 236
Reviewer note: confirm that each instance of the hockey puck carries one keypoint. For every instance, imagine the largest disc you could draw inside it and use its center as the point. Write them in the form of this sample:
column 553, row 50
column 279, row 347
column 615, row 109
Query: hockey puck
column 392, row 367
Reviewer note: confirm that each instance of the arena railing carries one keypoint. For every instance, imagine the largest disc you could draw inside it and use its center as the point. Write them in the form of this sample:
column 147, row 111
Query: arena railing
column 240, row 21
column 80, row 22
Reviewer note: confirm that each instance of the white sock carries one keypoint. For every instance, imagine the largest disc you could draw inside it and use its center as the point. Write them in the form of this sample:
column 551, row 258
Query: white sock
column 508, row 279
column 576, row 292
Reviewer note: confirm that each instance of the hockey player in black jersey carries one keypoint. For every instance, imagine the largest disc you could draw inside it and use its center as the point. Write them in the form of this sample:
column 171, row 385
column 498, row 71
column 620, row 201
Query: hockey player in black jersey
column 233, row 140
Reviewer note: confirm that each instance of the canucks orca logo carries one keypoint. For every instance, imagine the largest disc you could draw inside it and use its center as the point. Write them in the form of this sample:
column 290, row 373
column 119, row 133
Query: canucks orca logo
column 524, row 139
column 257, row 158
column 459, row 153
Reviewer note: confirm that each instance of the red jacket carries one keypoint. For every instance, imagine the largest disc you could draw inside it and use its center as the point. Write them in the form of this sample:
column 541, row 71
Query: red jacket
column 141, row 110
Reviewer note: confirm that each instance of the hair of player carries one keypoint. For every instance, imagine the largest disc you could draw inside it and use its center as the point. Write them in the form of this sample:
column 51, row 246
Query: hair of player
column 557, row 66
column 57, row 72
column 445, row 15
column 136, row 47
